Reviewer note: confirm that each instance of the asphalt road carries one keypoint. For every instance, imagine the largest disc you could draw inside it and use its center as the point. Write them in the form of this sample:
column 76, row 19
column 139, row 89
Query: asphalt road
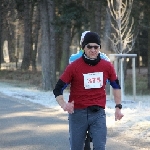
column 28, row 126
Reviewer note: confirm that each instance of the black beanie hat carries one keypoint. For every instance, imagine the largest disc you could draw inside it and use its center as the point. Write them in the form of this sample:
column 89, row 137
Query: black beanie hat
column 91, row 37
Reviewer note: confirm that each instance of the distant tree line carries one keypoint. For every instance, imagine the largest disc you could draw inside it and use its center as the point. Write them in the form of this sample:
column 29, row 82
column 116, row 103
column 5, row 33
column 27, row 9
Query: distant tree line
column 47, row 32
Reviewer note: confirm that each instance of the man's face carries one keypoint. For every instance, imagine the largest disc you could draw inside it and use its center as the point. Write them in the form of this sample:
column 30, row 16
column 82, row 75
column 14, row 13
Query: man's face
column 91, row 50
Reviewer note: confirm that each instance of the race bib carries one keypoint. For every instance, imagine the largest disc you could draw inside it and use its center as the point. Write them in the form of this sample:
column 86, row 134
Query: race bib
column 93, row 80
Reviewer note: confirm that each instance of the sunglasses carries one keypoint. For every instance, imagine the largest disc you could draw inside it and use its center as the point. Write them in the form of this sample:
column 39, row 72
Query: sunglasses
column 90, row 47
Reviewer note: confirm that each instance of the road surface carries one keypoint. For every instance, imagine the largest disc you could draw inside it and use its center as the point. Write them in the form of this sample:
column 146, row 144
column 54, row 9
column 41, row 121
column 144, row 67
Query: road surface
column 28, row 126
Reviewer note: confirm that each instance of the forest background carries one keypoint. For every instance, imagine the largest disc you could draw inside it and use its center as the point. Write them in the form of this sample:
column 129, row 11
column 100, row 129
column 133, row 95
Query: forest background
column 37, row 38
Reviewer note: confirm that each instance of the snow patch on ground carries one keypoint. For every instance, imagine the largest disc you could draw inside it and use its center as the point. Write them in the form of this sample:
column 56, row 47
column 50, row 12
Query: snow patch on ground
column 135, row 123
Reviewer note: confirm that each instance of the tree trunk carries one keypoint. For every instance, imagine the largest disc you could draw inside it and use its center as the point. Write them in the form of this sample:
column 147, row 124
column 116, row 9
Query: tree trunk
column 98, row 13
column 106, row 45
column 65, row 47
column 27, row 36
column 51, row 13
column 47, row 47
column 35, row 35
column 65, row 44
column 149, row 58
column 11, row 41
column 0, row 33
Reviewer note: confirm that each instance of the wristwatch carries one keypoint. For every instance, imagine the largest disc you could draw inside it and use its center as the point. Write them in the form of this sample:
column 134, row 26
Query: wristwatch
column 118, row 106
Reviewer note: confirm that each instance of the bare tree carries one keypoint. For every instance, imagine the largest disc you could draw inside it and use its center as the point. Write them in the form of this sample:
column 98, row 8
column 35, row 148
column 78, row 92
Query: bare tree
column 51, row 15
column 35, row 35
column 148, row 54
column 0, row 31
column 123, row 37
column 10, row 29
column 27, row 36
column 106, row 44
column 47, row 45
column 65, row 47
column 149, row 62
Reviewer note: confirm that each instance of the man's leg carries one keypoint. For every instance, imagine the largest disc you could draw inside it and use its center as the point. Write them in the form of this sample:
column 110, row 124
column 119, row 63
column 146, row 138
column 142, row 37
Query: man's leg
column 78, row 126
column 98, row 130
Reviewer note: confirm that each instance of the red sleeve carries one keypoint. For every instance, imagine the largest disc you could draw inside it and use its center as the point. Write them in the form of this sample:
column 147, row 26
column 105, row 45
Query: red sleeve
column 67, row 74
column 112, row 73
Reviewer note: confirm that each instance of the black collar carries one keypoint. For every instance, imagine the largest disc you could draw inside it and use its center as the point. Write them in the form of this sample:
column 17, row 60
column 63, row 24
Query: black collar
column 91, row 62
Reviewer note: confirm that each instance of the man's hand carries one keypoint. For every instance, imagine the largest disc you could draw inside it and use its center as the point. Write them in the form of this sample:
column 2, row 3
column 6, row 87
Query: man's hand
column 118, row 114
column 65, row 106
column 68, row 107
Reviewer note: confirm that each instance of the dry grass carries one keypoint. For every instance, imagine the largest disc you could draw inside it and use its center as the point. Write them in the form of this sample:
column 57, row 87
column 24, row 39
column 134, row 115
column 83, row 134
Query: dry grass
column 22, row 78
column 141, row 82
column 141, row 85
column 29, row 78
